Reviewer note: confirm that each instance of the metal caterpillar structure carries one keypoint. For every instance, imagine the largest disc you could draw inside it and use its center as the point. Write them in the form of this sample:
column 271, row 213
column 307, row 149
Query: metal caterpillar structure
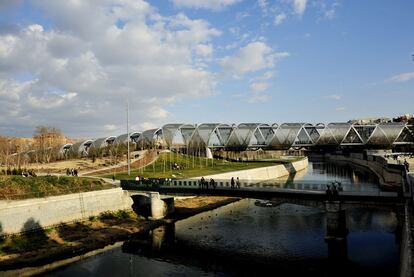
column 246, row 136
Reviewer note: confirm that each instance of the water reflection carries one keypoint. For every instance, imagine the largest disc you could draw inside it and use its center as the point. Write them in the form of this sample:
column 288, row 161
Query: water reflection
column 243, row 239
column 318, row 174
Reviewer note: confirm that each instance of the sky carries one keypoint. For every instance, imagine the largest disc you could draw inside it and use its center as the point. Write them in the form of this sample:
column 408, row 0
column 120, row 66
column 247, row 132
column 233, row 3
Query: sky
column 75, row 64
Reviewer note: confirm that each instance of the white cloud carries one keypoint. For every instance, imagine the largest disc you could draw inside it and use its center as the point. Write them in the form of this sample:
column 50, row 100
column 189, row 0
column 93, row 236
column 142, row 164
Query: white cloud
column 334, row 97
column 258, row 87
column 82, row 71
column 340, row 109
column 403, row 77
column 328, row 10
column 157, row 112
column 253, row 57
column 279, row 18
column 204, row 50
column 299, row 6
column 148, row 125
column 262, row 3
column 110, row 127
column 258, row 98
column 205, row 4
column 266, row 76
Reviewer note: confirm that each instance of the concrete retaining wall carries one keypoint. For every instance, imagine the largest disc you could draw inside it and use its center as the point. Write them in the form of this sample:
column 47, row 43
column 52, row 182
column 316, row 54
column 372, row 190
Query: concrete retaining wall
column 24, row 215
column 387, row 175
column 407, row 255
column 263, row 173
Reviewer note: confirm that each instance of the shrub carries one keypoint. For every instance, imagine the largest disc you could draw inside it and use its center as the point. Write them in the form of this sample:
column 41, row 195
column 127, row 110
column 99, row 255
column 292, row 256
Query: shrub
column 123, row 214
column 107, row 215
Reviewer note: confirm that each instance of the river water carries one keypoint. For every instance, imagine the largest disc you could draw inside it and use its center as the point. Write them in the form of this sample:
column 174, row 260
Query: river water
column 245, row 239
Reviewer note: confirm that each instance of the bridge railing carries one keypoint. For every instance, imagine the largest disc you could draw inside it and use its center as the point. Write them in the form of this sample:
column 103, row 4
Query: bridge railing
column 304, row 185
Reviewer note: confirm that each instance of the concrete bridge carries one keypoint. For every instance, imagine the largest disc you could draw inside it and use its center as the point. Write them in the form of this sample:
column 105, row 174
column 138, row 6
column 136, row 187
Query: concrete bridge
column 151, row 204
column 334, row 206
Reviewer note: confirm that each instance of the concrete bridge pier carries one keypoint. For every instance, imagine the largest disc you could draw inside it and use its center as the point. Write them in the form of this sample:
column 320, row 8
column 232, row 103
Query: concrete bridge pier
column 336, row 231
column 151, row 205
column 335, row 221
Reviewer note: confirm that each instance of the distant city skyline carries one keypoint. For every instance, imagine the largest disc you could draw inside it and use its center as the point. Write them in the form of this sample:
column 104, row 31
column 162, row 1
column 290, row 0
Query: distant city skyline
column 74, row 64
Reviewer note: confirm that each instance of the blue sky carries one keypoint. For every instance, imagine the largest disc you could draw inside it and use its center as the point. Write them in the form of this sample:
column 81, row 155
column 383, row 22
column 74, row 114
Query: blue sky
column 74, row 64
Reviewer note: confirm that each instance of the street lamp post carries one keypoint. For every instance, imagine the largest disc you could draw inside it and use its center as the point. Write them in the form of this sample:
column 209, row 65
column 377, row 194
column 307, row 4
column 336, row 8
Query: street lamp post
column 128, row 155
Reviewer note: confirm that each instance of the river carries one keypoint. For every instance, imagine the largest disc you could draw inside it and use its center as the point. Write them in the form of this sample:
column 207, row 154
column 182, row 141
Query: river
column 244, row 239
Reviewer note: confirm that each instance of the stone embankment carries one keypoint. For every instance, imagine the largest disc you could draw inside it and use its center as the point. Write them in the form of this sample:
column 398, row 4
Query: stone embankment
column 263, row 173
column 387, row 173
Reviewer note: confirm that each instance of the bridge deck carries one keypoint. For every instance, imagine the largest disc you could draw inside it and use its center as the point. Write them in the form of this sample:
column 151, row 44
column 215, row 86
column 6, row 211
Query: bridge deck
column 271, row 193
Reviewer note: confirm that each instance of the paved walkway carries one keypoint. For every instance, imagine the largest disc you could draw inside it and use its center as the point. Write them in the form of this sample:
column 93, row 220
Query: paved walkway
column 121, row 164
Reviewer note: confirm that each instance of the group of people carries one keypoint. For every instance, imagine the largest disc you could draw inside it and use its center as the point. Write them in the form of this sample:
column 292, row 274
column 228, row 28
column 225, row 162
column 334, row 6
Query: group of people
column 71, row 172
column 176, row 166
column 152, row 181
column 204, row 184
column 333, row 189
column 235, row 183
column 29, row 173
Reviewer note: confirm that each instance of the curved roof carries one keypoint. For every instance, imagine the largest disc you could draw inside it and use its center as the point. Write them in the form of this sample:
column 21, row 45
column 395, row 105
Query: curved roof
column 177, row 134
column 82, row 147
column 123, row 139
column 103, row 142
column 259, row 135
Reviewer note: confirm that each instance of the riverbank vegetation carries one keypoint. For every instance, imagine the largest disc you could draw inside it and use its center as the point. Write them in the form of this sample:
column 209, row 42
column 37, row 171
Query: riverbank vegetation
column 19, row 187
column 174, row 165
column 73, row 239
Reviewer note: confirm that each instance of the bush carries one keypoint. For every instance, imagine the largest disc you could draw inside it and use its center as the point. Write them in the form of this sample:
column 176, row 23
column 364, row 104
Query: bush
column 114, row 215
column 107, row 215
column 123, row 214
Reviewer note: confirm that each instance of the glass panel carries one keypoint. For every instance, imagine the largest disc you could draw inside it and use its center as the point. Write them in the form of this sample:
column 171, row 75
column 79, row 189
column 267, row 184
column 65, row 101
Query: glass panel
column 339, row 130
column 405, row 136
column 364, row 131
column 313, row 133
column 352, row 137
column 302, row 138
column 224, row 134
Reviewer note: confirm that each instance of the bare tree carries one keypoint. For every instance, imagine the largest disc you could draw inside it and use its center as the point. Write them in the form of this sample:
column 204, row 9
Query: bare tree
column 47, row 141
column 5, row 151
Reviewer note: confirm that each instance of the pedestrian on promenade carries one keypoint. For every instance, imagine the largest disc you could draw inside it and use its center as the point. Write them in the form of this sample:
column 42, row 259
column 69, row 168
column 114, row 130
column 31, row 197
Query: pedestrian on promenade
column 212, row 183
column 340, row 187
column 203, row 182
column 238, row 182
column 334, row 191
column 406, row 165
column 232, row 182
column 328, row 191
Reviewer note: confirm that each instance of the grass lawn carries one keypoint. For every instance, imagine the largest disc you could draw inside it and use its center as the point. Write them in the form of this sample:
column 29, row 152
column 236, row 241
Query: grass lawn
column 19, row 187
column 191, row 167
